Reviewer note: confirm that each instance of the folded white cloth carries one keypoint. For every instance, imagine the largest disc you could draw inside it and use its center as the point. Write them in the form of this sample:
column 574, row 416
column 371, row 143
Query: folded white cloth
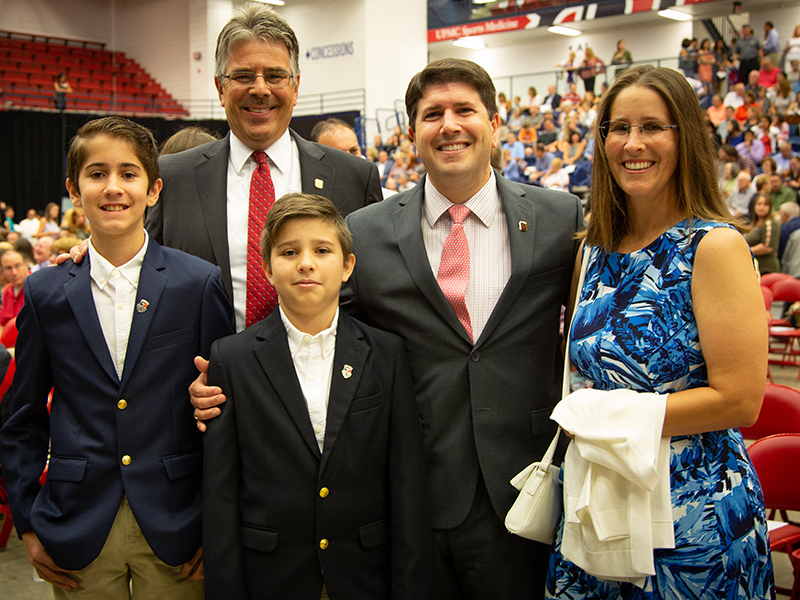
column 616, row 482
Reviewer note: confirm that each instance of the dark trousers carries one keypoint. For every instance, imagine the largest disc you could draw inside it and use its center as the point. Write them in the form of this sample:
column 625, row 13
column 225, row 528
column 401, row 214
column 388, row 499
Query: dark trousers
column 745, row 66
column 588, row 84
column 481, row 560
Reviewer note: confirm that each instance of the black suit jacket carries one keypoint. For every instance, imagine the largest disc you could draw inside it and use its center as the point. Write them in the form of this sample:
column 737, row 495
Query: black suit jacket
column 485, row 407
column 271, row 498
column 191, row 214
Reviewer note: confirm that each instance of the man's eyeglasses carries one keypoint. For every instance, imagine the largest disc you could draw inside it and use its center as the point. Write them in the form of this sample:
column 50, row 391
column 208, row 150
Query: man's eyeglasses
column 621, row 130
column 246, row 79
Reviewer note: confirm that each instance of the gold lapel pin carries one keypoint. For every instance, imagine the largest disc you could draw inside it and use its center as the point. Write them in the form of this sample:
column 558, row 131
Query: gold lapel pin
column 142, row 306
column 318, row 183
column 523, row 226
column 347, row 372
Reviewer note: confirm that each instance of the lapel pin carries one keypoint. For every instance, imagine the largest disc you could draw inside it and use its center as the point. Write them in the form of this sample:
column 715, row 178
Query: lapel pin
column 347, row 372
column 318, row 183
column 523, row 226
column 142, row 306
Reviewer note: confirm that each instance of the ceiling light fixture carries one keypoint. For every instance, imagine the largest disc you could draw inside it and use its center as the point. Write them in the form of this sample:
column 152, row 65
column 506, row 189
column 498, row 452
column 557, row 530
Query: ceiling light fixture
column 563, row 30
column 676, row 15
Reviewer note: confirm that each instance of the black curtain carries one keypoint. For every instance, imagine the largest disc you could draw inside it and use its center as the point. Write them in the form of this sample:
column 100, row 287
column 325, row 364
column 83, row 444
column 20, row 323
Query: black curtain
column 33, row 150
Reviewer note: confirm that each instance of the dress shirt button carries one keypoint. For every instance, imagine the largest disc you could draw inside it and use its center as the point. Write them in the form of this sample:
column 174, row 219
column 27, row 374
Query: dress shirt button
column 120, row 305
column 114, row 273
column 101, row 280
column 126, row 460
column 312, row 377
column 317, row 429
column 323, row 493
column 122, row 405
column 323, row 543
column 475, row 356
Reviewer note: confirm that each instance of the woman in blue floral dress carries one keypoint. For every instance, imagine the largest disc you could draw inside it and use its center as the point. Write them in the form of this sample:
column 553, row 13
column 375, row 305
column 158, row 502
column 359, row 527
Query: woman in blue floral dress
column 671, row 304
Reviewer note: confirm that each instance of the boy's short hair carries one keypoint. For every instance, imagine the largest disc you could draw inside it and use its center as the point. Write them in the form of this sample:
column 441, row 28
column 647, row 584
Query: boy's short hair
column 303, row 206
column 139, row 137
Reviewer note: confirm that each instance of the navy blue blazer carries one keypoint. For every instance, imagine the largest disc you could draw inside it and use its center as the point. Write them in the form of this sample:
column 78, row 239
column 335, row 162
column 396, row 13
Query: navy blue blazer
column 96, row 419
column 279, row 515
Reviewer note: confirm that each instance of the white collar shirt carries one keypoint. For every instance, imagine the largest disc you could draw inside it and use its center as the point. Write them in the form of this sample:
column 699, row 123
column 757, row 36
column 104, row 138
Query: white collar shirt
column 313, row 362
column 486, row 229
column 284, row 165
column 114, row 292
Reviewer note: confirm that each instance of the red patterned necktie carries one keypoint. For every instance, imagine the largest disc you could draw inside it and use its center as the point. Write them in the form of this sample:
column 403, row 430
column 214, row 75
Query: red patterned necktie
column 453, row 274
column 261, row 296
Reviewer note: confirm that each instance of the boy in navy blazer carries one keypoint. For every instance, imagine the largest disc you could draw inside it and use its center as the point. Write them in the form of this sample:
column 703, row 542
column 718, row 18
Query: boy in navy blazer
column 314, row 478
column 115, row 338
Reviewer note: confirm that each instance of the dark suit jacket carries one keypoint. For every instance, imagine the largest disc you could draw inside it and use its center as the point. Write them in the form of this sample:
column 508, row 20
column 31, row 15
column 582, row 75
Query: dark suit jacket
column 61, row 344
column 270, row 497
column 484, row 408
column 191, row 214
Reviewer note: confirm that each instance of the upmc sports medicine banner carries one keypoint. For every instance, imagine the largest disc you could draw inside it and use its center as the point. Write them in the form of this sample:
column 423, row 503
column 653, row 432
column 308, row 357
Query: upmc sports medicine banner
column 538, row 16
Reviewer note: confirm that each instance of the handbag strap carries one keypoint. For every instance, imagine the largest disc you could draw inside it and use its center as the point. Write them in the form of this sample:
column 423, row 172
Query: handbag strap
column 547, row 459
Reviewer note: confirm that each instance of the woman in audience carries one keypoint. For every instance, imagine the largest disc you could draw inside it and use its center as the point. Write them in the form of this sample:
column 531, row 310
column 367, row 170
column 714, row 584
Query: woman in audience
column 75, row 224
column 722, row 59
column 61, row 88
column 590, row 67
column 49, row 223
column 783, row 96
column 768, row 166
column 621, row 57
column 730, row 171
column 568, row 67
column 705, row 65
column 764, row 237
column 23, row 246
column 556, row 178
column 671, row 305
column 572, row 148
column 751, row 147
column 792, row 48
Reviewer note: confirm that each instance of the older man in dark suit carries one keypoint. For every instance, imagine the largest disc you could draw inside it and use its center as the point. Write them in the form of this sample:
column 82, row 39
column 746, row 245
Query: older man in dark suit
column 206, row 203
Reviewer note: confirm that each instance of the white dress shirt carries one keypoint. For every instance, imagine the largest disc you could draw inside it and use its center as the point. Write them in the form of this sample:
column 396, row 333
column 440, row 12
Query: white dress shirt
column 487, row 235
column 284, row 166
column 114, row 292
column 313, row 362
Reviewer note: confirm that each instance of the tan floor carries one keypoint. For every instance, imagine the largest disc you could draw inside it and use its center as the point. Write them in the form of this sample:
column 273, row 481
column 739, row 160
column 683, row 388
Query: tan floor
column 17, row 575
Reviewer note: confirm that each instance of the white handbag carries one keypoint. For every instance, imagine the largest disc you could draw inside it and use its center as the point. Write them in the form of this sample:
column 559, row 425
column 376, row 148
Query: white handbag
column 537, row 510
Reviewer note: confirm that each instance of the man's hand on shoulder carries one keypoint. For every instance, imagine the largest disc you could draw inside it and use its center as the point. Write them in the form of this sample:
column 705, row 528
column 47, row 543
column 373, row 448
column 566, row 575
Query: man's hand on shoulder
column 76, row 253
column 205, row 399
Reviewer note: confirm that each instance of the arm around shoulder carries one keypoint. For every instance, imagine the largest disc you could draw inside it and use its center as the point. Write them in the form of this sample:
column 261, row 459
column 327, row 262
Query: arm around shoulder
column 732, row 329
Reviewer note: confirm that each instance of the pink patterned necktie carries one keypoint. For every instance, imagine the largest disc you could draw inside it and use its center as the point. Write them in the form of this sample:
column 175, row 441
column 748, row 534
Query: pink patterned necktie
column 261, row 296
column 453, row 274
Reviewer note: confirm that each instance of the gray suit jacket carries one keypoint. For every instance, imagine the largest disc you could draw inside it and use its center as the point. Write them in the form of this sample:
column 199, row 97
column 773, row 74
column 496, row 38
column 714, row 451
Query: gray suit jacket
column 191, row 213
column 484, row 408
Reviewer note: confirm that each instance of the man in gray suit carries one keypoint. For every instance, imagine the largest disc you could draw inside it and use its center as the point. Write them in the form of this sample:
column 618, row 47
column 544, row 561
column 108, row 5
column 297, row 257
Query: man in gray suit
column 484, row 404
column 487, row 376
column 203, row 208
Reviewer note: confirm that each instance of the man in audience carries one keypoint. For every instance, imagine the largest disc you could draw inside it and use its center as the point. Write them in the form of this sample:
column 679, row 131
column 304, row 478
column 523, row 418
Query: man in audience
column 783, row 157
column 768, row 75
column 748, row 52
column 541, row 163
column 735, row 98
column 514, row 146
column 207, row 200
column 16, row 271
column 789, row 215
column 728, row 153
column 29, row 226
column 572, row 94
column 552, row 100
column 384, row 165
column 772, row 43
column 741, row 195
column 336, row 133
column 752, row 81
column 549, row 132
column 41, row 252
column 779, row 192
column 716, row 112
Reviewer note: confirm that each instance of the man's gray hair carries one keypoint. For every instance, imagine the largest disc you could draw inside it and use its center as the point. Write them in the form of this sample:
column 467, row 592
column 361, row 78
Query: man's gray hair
column 790, row 209
column 254, row 21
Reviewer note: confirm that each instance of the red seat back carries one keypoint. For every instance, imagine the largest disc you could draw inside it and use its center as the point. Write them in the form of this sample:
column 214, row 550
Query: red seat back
column 777, row 462
column 780, row 413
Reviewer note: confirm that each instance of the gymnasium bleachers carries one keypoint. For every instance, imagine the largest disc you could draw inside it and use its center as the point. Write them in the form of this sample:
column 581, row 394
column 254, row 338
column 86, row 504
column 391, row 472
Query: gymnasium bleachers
column 102, row 81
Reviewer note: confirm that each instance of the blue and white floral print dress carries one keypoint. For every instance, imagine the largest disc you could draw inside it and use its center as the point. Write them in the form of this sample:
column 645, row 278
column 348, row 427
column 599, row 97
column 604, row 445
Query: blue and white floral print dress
column 634, row 328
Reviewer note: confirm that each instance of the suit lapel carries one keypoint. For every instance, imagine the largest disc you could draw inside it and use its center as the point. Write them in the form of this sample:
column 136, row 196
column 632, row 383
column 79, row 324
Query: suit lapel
column 316, row 176
column 522, row 245
column 407, row 219
column 151, row 285
column 211, row 178
column 349, row 358
column 273, row 354
column 79, row 295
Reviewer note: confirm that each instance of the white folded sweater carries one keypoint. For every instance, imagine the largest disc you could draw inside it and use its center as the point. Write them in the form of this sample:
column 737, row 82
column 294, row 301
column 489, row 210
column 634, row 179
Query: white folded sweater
column 616, row 482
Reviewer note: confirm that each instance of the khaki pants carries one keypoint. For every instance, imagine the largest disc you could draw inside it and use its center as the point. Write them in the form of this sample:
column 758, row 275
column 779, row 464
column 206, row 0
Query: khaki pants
column 127, row 568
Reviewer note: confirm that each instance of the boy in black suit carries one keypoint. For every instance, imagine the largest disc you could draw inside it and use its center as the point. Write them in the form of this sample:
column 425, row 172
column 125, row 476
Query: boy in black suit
column 314, row 478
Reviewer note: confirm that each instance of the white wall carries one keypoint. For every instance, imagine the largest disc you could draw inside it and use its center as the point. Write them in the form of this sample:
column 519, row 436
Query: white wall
column 81, row 19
